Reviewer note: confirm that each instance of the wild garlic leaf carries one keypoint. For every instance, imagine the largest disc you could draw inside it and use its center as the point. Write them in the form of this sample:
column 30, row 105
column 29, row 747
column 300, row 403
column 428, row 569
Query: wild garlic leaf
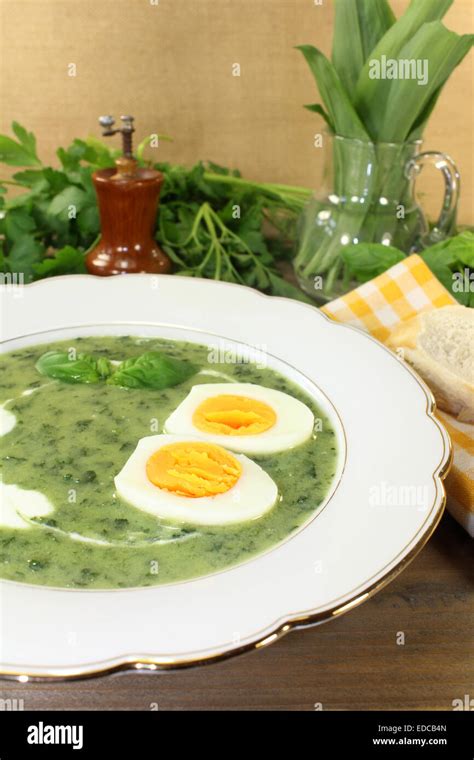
column 463, row 246
column 441, row 50
column 373, row 94
column 367, row 260
column 359, row 26
column 456, row 252
column 341, row 111
column 281, row 287
column 317, row 108
column 375, row 19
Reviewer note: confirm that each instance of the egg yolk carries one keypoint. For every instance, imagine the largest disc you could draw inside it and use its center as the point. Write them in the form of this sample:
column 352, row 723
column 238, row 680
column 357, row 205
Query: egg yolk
column 233, row 415
column 193, row 469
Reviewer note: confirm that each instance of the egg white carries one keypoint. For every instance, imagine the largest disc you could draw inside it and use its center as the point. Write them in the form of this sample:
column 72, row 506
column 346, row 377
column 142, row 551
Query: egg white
column 15, row 501
column 293, row 426
column 253, row 495
column 7, row 420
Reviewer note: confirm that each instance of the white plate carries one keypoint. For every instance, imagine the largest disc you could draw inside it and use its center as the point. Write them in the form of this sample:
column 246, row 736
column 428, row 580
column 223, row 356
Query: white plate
column 388, row 500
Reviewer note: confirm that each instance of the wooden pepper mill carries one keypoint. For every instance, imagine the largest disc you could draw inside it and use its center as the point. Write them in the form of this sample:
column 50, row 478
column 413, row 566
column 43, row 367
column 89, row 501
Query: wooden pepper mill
column 128, row 202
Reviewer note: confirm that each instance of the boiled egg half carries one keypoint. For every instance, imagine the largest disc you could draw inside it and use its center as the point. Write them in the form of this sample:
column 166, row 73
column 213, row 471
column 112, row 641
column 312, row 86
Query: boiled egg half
column 243, row 417
column 194, row 481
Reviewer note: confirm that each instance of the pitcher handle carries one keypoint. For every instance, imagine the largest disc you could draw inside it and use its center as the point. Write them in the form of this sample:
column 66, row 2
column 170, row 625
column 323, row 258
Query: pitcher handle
column 445, row 224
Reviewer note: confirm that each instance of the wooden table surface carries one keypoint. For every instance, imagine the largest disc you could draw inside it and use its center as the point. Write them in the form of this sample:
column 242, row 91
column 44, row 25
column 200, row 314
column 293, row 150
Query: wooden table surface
column 353, row 662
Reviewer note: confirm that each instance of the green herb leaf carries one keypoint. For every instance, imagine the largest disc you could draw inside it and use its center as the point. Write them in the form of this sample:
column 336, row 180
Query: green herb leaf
column 441, row 50
column 317, row 108
column 68, row 260
column 18, row 223
column 440, row 269
column 375, row 19
column 104, row 367
column 359, row 26
column 373, row 94
column 60, row 366
column 88, row 221
column 152, row 370
column 367, row 260
column 24, row 254
column 448, row 260
column 69, row 198
column 16, row 154
column 281, row 287
column 463, row 246
column 340, row 109
column 454, row 250
column 27, row 139
column 92, row 151
column 31, row 178
column 99, row 154
column 146, row 142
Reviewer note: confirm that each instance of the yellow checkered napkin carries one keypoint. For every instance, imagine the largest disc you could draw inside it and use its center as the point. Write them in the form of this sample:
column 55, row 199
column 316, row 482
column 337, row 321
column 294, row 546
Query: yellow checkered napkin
column 377, row 306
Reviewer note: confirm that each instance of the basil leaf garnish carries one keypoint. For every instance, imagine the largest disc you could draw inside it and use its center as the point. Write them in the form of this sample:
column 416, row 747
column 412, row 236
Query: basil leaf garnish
column 152, row 370
column 61, row 366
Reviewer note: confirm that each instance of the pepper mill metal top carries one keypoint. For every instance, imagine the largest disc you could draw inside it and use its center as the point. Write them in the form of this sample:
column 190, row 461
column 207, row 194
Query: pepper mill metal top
column 126, row 130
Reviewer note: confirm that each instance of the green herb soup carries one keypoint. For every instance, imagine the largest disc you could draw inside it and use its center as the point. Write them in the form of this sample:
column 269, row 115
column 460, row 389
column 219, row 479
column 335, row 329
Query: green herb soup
column 71, row 440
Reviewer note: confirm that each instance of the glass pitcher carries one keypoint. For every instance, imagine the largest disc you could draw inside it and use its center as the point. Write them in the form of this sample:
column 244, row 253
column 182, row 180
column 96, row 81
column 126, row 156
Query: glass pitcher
column 368, row 196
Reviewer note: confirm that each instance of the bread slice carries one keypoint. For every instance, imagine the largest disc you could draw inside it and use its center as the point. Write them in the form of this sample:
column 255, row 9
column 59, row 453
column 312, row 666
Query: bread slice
column 439, row 344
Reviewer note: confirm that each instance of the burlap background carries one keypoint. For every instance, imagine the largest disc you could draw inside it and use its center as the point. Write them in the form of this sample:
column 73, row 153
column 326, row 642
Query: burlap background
column 170, row 65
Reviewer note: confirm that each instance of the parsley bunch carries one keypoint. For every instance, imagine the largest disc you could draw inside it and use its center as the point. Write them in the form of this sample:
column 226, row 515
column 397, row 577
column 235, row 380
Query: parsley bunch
column 210, row 222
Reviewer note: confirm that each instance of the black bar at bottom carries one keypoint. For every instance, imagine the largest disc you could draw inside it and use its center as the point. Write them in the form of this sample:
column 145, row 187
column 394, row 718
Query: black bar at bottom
column 137, row 734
